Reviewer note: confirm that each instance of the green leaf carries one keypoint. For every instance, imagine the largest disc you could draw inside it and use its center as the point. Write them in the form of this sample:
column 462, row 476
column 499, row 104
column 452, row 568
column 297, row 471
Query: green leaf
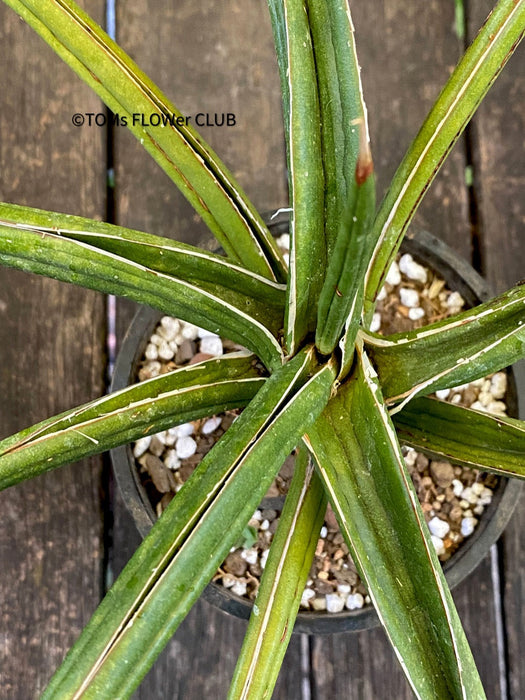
column 455, row 351
column 364, row 474
column 464, row 436
column 341, row 300
column 344, row 128
column 306, row 180
column 143, row 409
column 79, row 263
column 174, row 144
column 458, row 101
column 181, row 553
column 282, row 583
column 213, row 273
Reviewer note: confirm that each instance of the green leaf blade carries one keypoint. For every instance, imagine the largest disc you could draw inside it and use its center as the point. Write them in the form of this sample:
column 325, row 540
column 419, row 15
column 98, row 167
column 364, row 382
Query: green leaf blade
column 459, row 99
column 464, row 436
column 214, row 273
column 144, row 409
column 282, row 583
column 306, row 179
column 361, row 465
column 453, row 351
column 76, row 262
column 174, row 144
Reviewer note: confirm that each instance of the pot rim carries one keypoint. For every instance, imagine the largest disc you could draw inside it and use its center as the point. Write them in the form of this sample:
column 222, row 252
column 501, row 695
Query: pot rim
column 461, row 277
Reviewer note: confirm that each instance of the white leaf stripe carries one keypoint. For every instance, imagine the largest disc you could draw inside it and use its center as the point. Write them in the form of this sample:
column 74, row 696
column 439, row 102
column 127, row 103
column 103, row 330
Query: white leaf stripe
column 36, row 439
column 410, row 394
column 168, row 245
column 460, row 321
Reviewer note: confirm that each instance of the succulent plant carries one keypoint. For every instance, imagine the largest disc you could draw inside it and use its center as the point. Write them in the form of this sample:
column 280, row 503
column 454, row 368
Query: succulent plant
column 314, row 377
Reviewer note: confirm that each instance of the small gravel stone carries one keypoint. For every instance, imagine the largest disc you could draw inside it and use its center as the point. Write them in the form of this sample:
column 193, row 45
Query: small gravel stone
column 409, row 297
column 455, row 302
column 355, row 601
column 183, row 430
column 212, row 345
column 412, row 269
column 186, row 447
column 416, row 313
column 497, row 407
column 249, row 555
column 469, row 496
column 203, row 333
column 458, row 487
column 185, row 352
column 382, row 294
column 394, row 276
column 442, row 394
column 467, row 526
column 239, row 588
column 189, row 331
column 438, row 527
column 498, row 385
column 141, row 446
column 264, row 558
column 438, row 545
column 165, row 352
column 307, row 595
column 150, row 369
column 156, row 446
column 171, row 460
column 151, row 352
column 324, row 531
column 334, row 603
column 319, row 604
column 443, row 473
column 375, row 323
column 211, row 425
column 284, row 241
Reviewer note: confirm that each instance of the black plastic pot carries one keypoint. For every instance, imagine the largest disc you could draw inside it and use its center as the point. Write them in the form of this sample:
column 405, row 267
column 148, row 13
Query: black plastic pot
column 461, row 277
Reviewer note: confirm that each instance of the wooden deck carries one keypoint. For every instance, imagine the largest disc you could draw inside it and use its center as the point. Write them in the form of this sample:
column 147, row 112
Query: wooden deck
column 64, row 535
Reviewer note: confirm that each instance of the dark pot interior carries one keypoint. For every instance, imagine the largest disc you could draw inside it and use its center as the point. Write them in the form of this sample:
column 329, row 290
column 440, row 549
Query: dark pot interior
column 459, row 276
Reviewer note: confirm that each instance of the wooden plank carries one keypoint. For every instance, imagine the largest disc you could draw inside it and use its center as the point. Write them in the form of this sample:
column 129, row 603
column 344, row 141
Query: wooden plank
column 210, row 58
column 499, row 180
column 406, row 55
column 51, row 341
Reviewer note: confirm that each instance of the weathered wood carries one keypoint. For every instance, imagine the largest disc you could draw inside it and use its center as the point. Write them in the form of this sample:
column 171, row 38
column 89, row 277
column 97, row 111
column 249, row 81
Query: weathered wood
column 209, row 58
column 51, row 345
column 407, row 52
column 499, row 181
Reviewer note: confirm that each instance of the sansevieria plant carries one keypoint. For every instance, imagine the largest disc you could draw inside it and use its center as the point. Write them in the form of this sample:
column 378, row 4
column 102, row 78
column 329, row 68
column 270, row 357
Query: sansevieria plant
column 314, row 378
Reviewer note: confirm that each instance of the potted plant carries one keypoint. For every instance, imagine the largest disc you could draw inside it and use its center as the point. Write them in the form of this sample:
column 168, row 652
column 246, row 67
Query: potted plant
column 318, row 378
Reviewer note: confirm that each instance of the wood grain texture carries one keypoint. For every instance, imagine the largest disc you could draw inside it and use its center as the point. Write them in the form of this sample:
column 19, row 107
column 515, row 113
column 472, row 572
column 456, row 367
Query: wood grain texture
column 407, row 52
column 51, row 346
column 499, row 179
